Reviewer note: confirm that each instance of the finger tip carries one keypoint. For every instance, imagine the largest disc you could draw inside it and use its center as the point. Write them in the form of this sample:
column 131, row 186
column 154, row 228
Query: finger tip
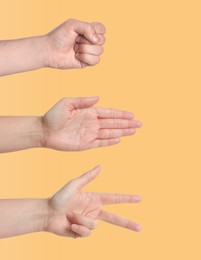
column 137, row 198
column 96, row 97
column 138, row 228
column 98, row 168
column 94, row 225
column 117, row 140
column 131, row 131
column 139, row 124
column 131, row 115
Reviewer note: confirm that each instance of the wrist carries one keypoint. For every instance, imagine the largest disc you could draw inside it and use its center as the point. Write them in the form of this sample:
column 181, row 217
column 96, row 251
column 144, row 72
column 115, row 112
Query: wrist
column 51, row 60
column 40, row 215
column 44, row 52
column 36, row 133
column 38, row 49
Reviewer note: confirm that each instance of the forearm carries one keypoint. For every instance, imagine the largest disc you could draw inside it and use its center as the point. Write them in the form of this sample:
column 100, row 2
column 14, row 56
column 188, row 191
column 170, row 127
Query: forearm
column 22, row 216
column 22, row 55
column 19, row 133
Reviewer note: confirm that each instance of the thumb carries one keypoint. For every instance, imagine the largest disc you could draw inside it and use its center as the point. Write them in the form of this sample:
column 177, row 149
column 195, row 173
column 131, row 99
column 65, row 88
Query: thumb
column 83, row 102
column 85, row 29
column 76, row 184
column 85, row 178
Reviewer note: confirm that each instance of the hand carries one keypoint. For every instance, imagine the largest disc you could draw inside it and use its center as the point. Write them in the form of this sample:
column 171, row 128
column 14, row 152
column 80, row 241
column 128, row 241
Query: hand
column 74, row 124
column 73, row 212
column 75, row 44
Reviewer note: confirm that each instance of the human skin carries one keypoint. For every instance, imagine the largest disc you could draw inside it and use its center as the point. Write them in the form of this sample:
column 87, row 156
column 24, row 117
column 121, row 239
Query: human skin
column 73, row 44
column 70, row 212
column 73, row 124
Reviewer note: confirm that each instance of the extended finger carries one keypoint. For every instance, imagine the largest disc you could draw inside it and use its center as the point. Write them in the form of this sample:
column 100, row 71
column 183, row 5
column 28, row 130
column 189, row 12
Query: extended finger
column 113, row 113
column 85, row 178
column 114, row 133
column 117, row 198
column 118, row 221
column 80, row 230
column 81, row 220
column 104, row 142
column 118, row 123
column 89, row 59
column 89, row 49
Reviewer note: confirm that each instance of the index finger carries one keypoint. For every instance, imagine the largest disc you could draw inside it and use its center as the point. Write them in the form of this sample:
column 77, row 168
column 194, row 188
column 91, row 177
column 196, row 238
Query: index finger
column 116, row 198
column 99, row 28
column 113, row 113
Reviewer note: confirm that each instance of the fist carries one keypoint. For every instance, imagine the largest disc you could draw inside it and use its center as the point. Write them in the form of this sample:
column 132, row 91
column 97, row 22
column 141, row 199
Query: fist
column 75, row 44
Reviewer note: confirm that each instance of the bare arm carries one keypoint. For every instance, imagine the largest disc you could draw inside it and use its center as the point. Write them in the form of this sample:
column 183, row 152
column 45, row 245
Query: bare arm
column 19, row 133
column 22, row 55
column 73, row 44
column 22, row 216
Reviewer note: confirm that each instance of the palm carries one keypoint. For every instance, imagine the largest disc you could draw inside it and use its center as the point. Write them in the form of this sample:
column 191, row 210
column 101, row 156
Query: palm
column 82, row 203
column 75, row 125
column 86, row 203
column 76, row 130
column 72, row 199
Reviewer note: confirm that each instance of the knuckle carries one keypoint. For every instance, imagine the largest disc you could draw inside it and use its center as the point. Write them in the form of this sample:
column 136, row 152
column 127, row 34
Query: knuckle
column 89, row 27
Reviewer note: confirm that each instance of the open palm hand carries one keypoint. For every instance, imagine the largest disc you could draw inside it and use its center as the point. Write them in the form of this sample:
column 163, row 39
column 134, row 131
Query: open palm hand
column 74, row 124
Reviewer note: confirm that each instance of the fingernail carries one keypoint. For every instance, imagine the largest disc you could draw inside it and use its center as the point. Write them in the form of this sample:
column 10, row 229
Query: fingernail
column 138, row 123
column 74, row 227
column 137, row 198
column 94, row 225
column 131, row 131
column 131, row 115
column 95, row 38
column 138, row 228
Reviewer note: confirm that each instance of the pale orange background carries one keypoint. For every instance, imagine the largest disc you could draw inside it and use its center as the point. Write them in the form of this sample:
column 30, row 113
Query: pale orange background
column 151, row 66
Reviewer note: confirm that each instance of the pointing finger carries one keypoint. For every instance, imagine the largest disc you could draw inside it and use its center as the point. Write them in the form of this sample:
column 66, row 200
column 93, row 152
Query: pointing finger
column 116, row 198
